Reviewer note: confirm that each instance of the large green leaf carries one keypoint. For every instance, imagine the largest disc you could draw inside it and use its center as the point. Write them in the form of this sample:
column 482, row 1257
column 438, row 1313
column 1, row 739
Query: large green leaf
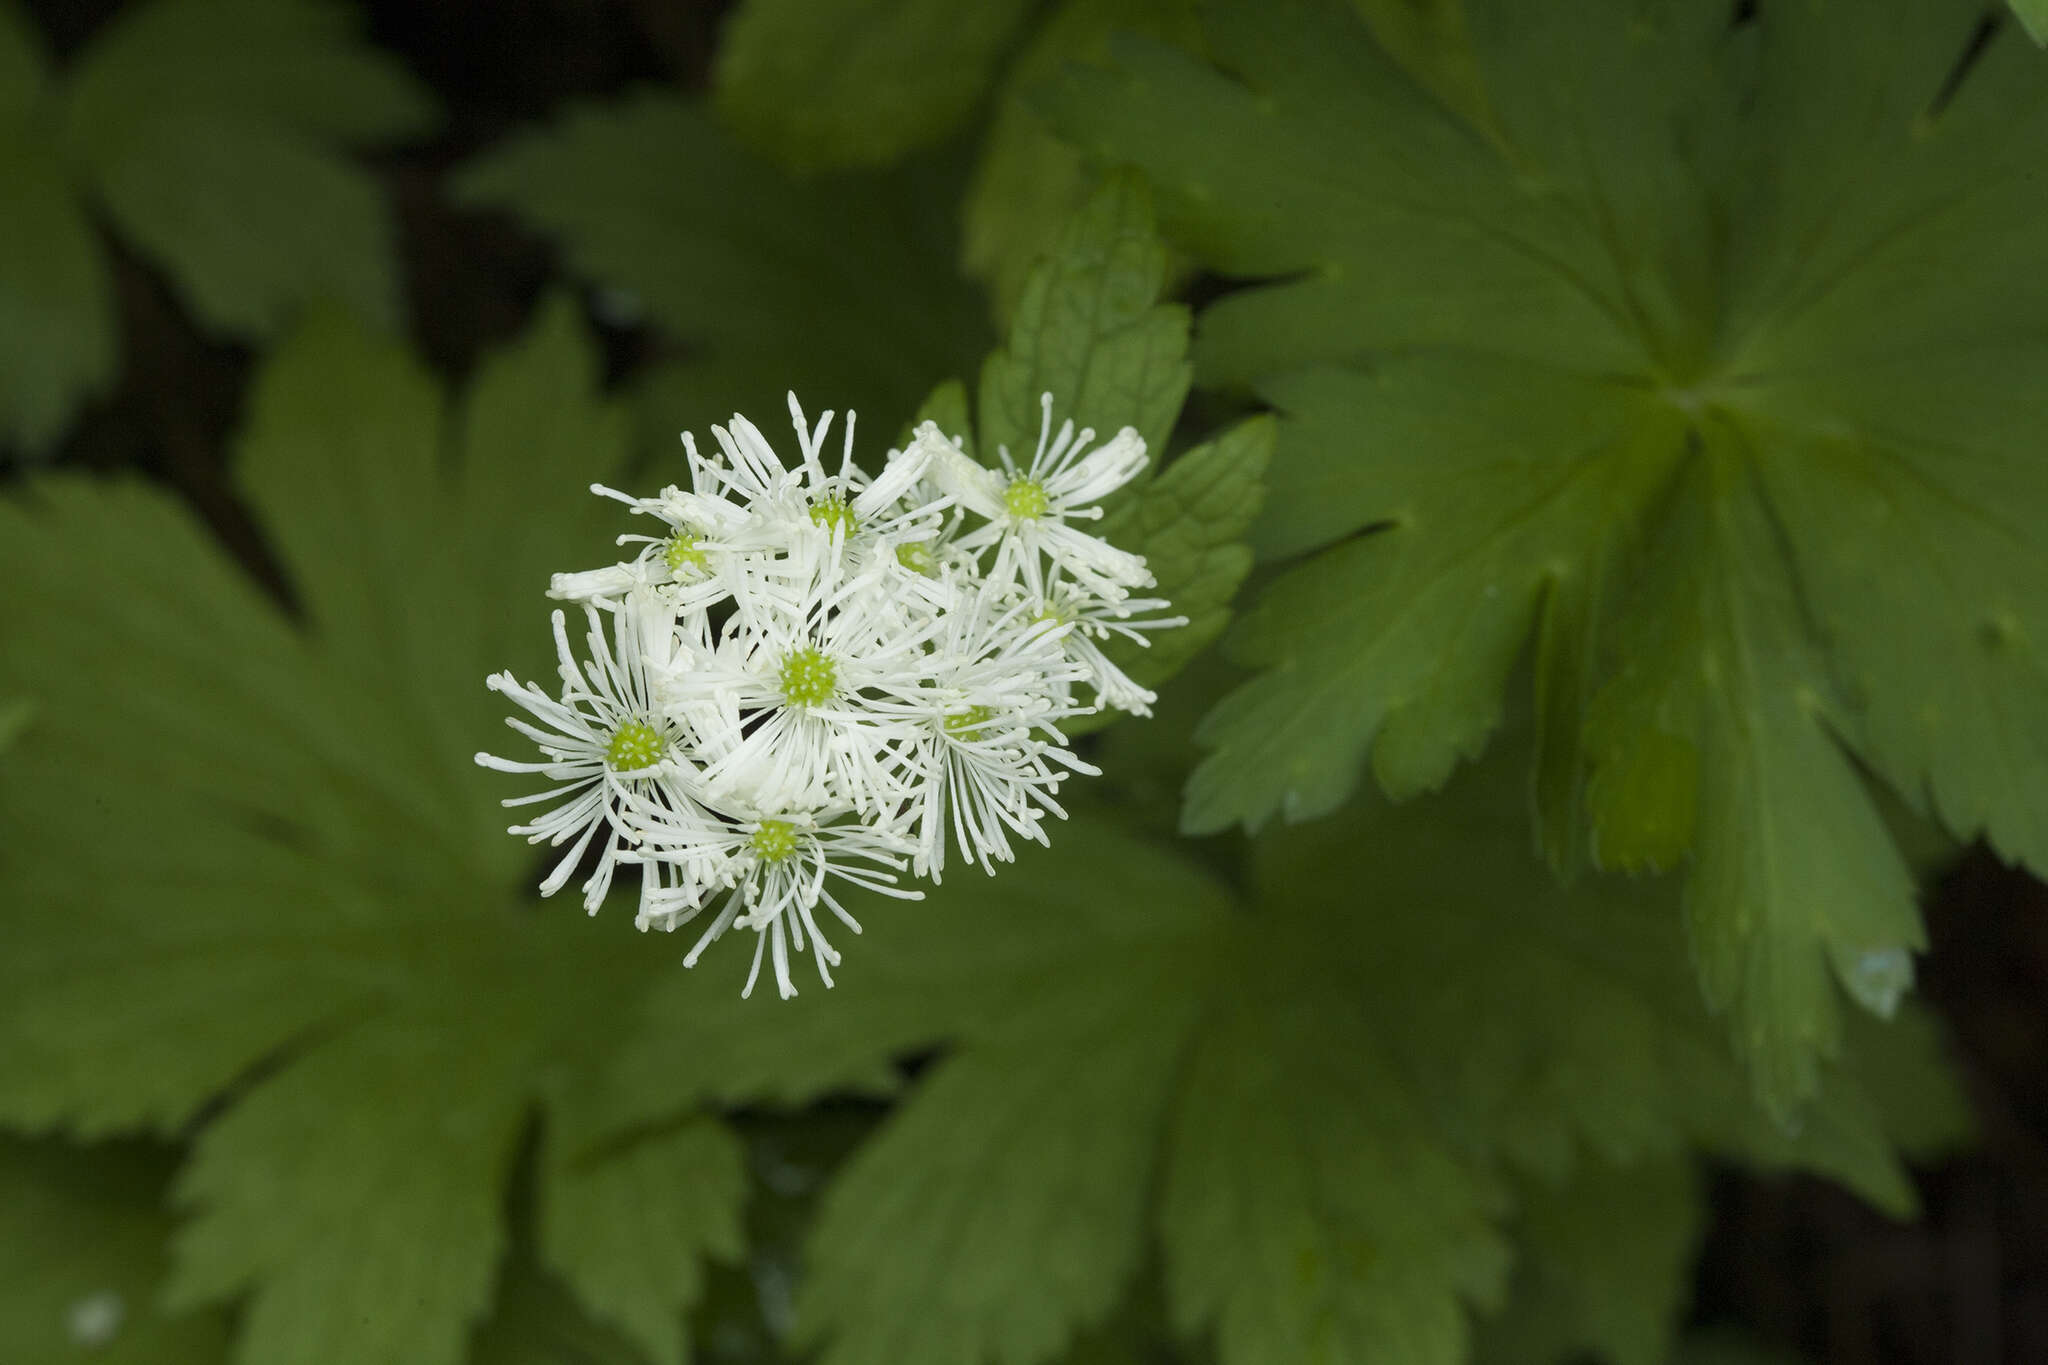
column 316, row 944
column 726, row 253
column 857, row 82
column 1408, row 1020
column 214, row 134
column 1772, row 270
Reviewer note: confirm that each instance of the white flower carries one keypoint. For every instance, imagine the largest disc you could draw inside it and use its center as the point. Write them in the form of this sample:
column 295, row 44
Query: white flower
column 808, row 682
column 1028, row 509
column 817, row 678
column 1092, row 620
column 602, row 740
column 989, row 754
column 780, row 870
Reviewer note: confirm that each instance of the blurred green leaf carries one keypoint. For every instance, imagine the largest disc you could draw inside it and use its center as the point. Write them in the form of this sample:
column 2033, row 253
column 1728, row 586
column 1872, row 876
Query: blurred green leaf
column 1004, row 1208
column 537, row 1322
column 630, row 1230
column 214, row 134
column 315, row 911
column 1766, row 252
column 648, row 197
column 1090, row 330
column 56, row 313
column 14, row 718
column 1409, row 1014
column 1428, row 39
column 210, row 131
column 1605, row 1267
column 2034, row 15
column 82, row 1256
column 1027, row 182
column 824, row 83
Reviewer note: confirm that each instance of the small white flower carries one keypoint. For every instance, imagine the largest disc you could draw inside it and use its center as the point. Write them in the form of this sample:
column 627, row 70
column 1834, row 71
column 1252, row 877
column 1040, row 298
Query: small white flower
column 1092, row 620
column 989, row 752
column 1028, row 509
column 602, row 740
column 780, row 869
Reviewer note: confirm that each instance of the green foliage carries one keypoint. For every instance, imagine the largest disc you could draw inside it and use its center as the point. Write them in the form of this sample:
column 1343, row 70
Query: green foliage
column 629, row 1230
column 1713, row 371
column 15, row 716
column 2034, row 15
column 1090, row 330
column 82, row 1258
column 1405, row 1008
column 857, row 82
column 1027, row 182
column 1190, row 524
column 1606, row 1267
column 842, row 289
column 315, row 905
column 212, row 134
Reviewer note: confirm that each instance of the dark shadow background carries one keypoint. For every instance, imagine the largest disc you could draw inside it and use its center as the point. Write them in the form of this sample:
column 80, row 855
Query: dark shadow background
column 1797, row 1262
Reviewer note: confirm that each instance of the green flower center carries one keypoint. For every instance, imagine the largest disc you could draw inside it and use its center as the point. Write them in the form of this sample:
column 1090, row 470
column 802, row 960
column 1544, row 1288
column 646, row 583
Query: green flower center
column 809, row 677
column 774, row 840
column 684, row 551
column 634, row 746
column 967, row 724
column 1025, row 499
column 832, row 513
column 918, row 558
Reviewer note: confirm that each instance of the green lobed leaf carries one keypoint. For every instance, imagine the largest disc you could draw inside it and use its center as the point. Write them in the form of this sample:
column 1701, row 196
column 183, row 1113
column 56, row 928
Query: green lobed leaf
column 857, row 82
column 82, row 1255
column 1407, row 1016
column 1089, row 330
column 1310, row 1212
column 1189, row 523
column 212, row 132
column 1497, row 355
column 1027, row 182
column 1794, row 868
column 314, row 945
column 1605, row 1267
column 1591, row 1038
column 648, row 197
column 1004, row 1209
column 630, row 1231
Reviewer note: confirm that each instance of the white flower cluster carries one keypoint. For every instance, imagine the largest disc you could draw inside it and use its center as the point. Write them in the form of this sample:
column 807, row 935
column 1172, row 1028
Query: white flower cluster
column 809, row 676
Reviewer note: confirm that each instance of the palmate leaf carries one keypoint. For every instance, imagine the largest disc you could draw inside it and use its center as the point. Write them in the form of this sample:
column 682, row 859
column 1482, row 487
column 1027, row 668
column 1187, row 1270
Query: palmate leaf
column 726, row 253
column 1329, row 1088
column 315, row 913
column 1769, row 279
column 213, row 135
